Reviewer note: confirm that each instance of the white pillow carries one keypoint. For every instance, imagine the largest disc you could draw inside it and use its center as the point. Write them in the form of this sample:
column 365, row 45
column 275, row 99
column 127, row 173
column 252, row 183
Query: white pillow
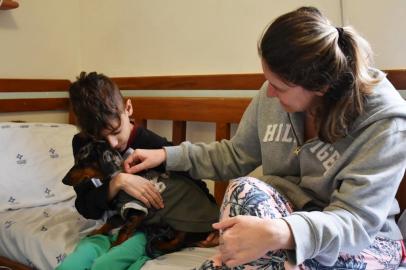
column 34, row 159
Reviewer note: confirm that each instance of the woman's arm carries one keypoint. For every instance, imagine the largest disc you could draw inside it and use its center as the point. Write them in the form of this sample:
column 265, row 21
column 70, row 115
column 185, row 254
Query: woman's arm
column 218, row 160
column 361, row 205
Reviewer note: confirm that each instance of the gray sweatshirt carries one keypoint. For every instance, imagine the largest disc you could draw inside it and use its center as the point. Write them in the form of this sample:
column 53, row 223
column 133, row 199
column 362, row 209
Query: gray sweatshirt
column 343, row 193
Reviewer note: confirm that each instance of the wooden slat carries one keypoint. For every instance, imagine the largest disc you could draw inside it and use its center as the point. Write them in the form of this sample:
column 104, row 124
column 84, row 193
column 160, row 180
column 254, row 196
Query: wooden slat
column 192, row 82
column 142, row 122
column 212, row 109
column 397, row 77
column 29, row 105
column 251, row 81
column 178, row 132
column 223, row 131
column 12, row 264
column 33, row 85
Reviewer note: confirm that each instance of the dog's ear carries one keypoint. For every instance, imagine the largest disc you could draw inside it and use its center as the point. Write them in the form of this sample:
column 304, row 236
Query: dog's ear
column 84, row 152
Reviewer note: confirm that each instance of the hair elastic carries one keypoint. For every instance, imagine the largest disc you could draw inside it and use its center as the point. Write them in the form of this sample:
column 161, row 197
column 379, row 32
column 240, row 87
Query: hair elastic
column 340, row 31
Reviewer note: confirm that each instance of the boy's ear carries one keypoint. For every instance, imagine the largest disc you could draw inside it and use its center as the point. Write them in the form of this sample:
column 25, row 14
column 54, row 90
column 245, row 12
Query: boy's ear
column 128, row 107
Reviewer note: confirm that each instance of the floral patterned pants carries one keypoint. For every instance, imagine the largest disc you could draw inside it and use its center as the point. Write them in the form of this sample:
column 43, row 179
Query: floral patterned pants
column 250, row 196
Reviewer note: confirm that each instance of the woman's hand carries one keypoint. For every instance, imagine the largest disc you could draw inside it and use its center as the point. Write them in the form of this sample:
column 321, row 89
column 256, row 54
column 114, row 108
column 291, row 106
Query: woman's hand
column 247, row 238
column 142, row 159
column 137, row 187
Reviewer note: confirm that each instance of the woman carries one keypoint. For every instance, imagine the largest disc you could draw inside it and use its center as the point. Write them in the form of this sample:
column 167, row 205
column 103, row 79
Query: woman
column 329, row 132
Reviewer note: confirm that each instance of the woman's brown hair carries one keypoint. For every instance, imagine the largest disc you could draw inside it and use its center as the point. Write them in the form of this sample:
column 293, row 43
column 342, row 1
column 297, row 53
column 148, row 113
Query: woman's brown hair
column 304, row 48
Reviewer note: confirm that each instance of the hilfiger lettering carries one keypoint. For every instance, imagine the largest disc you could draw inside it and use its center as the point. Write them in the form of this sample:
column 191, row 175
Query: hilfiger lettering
column 278, row 133
column 281, row 132
column 326, row 154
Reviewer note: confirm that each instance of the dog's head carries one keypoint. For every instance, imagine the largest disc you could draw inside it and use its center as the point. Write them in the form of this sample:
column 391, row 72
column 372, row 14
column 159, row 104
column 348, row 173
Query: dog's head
column 96, row 159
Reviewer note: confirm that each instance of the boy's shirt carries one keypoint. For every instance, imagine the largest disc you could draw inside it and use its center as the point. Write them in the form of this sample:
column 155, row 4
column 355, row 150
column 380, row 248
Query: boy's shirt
column 92, row 196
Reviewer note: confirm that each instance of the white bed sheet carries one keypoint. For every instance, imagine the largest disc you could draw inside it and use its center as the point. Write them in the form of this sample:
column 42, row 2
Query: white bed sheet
column 42, row 236
column 186, row 259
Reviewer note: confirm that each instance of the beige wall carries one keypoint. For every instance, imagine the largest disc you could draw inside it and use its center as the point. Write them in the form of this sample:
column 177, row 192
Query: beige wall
column 383, row 24
column 150, row 37
column 58, row 39
column 40, row 40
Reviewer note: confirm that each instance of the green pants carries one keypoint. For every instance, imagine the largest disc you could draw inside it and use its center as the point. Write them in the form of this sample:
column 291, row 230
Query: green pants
column 93, row 252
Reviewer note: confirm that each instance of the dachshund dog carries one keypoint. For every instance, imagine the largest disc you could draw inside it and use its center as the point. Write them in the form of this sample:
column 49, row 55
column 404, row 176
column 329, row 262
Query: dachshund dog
column 186, row 218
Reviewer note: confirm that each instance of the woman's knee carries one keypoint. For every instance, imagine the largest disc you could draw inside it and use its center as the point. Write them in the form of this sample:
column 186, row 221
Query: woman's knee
column 251, row 196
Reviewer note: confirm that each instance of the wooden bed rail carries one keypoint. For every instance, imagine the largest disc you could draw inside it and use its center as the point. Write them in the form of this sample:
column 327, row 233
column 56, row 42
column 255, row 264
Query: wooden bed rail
column 221, row 111
column 33, row 104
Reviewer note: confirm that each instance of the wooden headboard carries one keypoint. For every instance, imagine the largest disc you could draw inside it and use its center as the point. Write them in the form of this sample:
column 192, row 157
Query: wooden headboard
column 223, row 111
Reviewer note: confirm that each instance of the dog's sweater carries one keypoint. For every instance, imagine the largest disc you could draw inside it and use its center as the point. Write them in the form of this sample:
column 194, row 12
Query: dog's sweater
column 188, row 205
column 92, row 198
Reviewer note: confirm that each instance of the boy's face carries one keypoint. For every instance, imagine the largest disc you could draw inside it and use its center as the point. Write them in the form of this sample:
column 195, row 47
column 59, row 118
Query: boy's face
column 119, row 135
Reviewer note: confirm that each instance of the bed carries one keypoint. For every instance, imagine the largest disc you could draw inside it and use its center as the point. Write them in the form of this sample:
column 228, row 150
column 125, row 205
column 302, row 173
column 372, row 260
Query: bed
column 36, row 233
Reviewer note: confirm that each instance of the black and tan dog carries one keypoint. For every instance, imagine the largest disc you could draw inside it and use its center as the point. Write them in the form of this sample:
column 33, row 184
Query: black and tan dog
column 186, row 218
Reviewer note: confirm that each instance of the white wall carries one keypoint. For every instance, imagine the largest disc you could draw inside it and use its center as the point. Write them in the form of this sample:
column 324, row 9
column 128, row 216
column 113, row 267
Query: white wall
column 40, row 39
column 382, row 23
column 151, row 37
column 59, row 38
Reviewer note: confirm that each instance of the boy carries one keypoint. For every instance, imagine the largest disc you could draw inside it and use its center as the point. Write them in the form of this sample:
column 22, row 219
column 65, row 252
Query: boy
column 101, row 114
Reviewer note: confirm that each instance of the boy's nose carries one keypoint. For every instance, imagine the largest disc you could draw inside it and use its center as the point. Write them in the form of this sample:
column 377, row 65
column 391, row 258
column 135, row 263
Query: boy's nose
column 112, row 140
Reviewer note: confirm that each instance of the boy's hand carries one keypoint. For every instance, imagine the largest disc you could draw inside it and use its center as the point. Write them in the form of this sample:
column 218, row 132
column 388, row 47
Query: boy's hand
column 142, row 159
column 141, row 189
column 212, row 240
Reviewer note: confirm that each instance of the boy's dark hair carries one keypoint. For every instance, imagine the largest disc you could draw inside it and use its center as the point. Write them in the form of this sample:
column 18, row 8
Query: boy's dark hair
column 97, row 103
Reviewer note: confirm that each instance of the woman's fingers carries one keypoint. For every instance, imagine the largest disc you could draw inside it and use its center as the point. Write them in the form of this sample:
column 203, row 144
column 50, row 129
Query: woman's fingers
column 142, row 159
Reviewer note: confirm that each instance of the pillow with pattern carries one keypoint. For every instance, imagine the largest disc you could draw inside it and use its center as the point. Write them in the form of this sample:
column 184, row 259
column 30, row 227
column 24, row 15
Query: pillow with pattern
column 34, row 159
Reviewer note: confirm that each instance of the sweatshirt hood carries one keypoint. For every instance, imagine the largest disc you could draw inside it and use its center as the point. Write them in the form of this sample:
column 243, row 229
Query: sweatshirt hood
column 383, row 103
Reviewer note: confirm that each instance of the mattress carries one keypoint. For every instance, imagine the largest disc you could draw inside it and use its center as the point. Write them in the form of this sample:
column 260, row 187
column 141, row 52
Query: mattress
column 42, row 236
